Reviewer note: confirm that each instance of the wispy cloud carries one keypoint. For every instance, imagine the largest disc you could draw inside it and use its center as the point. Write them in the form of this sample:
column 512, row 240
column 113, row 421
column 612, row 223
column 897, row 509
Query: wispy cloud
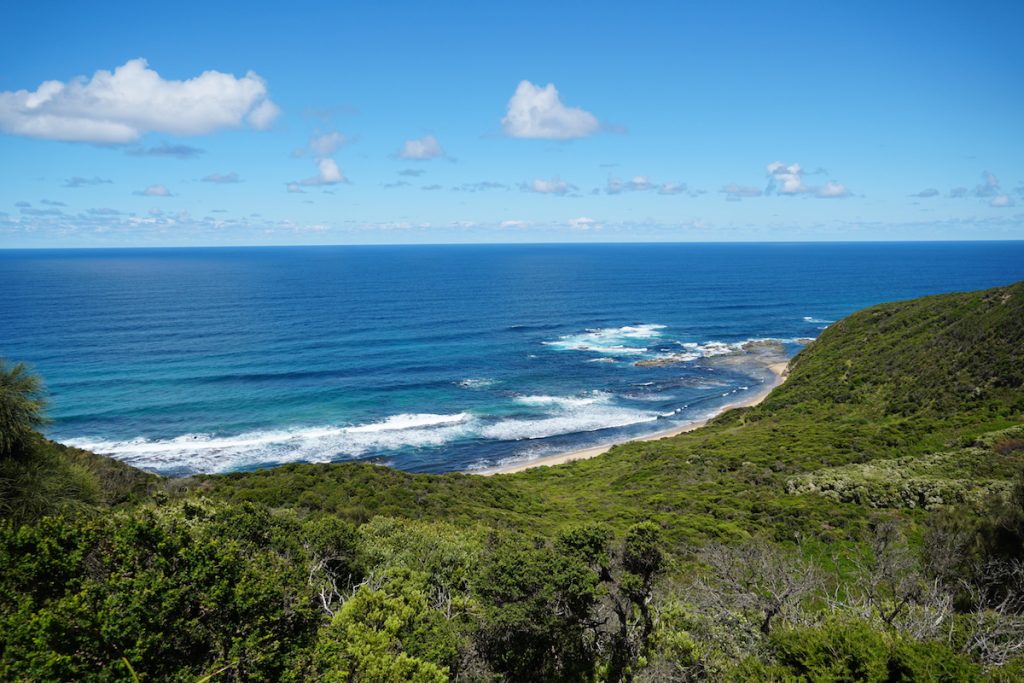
column 832, row 190
column 421, row 149
column 672, row 188
column 222, row 178
column 79, row 181
column 482, row 186
column 638, row 183
column 535, row 112
column 642, row 183
column 555, row 186
column 154, row 191
column 165, row 149
column 31, row 211
column 926, row 193
column 121, row 106
column 325, row 144
column 1001, row 201
column 582, row 223
column 989, row 188
column 735, row 192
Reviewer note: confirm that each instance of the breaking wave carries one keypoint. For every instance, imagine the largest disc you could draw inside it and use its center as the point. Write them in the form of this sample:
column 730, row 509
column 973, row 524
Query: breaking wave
column 214, row 453
column 537, row 417
column 629, row 340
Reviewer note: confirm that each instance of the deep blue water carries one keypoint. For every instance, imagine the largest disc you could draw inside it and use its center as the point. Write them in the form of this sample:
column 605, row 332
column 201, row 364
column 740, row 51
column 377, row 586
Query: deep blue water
column 428, row 358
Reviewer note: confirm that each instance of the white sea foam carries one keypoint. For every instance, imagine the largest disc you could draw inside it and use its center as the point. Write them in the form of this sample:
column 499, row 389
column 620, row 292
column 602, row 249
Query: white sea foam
column 812, row 319
column 407, row 422
column 556, row 415
column 529, row 454
column 567, row 415
column 636, row 341
column 696, row 351
column 566, row 402
column 210, row 453
column 611, row 341
column 475, row 383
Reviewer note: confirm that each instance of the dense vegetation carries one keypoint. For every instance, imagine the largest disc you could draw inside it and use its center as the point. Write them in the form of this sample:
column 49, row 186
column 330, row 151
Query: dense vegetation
column 865, row 522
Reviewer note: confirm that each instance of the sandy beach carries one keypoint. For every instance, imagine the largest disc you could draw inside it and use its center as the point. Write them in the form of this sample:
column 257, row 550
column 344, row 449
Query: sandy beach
column 779, row 372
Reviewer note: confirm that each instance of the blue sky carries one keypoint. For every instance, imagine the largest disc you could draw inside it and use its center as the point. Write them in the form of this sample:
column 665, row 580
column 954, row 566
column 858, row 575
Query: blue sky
column 192, row 124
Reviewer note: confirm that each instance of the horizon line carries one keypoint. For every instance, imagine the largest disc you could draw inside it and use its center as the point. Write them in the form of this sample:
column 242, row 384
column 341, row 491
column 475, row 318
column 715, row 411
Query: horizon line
column 505, row 244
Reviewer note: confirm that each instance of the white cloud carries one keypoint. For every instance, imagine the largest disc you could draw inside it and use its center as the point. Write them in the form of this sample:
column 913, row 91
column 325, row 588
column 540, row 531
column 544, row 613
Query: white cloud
column 538, row 113
column 264, row 114
column 617, row 185
column 328, row 174
column 325, row 144
column 832, row 190
column 640, row 183
column 422, row 149
column 789, row 179
column 582, row 223
column 514, row 224
column 321, row 147
column 122, row 106
column 155, row 191
column 926, row 193
column 1001, row 200
column 295, row 188
column 553, row 186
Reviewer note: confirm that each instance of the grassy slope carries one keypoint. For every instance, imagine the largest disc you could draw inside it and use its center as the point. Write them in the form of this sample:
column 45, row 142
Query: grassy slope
column 898, row 380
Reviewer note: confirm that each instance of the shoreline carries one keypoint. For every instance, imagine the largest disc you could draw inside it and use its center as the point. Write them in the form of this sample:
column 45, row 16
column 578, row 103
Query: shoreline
column 779, row 371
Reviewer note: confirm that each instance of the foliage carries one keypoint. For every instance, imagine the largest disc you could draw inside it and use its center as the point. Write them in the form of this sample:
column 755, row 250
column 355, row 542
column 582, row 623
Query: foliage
column 178, row 591
column 854, row 651
column 387, row 633
column 966, row 475
column 21, row 408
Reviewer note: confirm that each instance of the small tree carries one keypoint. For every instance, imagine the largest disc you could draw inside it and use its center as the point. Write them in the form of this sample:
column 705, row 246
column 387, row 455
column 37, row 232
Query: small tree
column 21, row 408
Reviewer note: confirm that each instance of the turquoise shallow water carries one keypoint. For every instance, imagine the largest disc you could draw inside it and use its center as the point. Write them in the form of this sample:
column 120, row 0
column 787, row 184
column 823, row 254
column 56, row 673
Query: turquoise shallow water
column 427, row 358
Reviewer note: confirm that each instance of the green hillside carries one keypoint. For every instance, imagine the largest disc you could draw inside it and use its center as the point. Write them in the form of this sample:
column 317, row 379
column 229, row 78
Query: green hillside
column 865, row 522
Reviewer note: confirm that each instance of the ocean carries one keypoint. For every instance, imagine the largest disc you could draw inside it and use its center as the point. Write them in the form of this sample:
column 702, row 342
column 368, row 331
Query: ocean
column 430, row 358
